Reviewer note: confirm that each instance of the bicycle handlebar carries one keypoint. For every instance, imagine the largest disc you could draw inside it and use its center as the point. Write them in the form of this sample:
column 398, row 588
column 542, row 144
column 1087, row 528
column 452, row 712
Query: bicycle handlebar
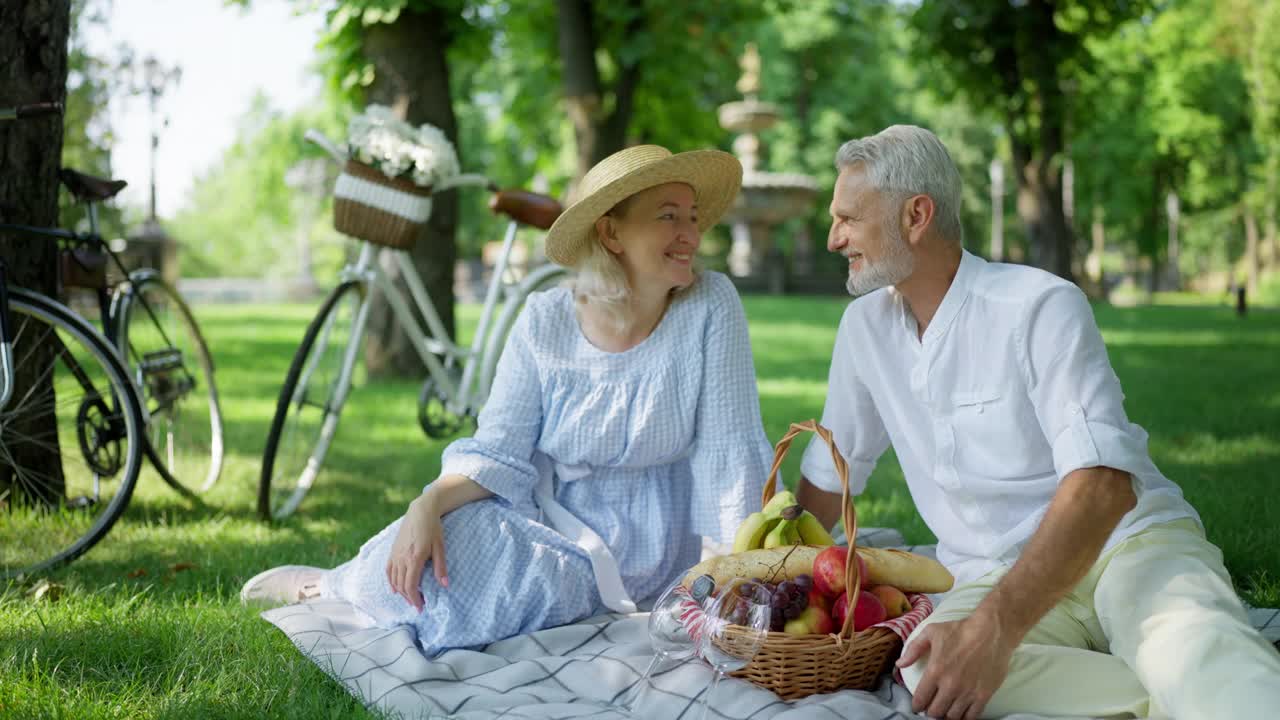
column 30, row 111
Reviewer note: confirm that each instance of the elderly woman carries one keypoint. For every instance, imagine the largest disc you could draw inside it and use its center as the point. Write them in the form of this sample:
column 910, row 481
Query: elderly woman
column 623, row 427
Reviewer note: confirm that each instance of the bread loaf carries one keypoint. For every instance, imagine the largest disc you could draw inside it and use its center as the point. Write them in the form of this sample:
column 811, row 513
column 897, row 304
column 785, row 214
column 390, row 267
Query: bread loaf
column 904, row 570
column 772, row 565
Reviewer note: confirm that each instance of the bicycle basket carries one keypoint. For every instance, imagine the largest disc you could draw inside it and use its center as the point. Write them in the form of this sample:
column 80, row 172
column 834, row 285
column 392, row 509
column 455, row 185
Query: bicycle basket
column 373, row 207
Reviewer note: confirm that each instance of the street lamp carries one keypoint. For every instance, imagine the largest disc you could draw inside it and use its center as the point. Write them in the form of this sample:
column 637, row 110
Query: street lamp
column 155, row 80
column 150, row 246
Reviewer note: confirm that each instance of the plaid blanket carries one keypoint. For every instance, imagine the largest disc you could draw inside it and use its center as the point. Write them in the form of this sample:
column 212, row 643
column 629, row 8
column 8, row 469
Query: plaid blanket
column 575, row 671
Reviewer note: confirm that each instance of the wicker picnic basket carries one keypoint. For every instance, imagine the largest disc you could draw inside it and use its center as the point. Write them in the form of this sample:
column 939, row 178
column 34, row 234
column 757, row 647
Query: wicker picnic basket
column 795, row 666
column 384, row 211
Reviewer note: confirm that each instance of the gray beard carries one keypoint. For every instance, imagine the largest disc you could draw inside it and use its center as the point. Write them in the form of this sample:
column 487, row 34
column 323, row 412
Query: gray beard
column 896, row 266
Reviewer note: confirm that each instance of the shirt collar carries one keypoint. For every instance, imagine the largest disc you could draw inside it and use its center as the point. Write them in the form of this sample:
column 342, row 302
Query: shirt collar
column 970, row 266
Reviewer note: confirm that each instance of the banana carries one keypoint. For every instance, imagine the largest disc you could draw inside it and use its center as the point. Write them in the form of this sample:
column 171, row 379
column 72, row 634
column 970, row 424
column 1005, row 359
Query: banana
column 780, row 535
column 787, row 532
column 778, row 503
column 811, row 530
column 752, row 531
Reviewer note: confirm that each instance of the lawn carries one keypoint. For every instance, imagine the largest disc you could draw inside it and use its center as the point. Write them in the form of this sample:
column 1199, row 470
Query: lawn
column 134, row 634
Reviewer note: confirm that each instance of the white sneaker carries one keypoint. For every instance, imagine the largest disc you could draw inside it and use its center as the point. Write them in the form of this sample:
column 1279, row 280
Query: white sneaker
column 282, row 585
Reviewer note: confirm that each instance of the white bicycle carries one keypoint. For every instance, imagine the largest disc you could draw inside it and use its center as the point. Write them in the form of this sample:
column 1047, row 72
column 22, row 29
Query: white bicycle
column 458, row 379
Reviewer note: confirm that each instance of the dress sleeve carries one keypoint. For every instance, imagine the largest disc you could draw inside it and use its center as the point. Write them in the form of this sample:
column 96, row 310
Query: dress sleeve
column 500, row 455
column 731, row 453
column 1075, row 392
column 851, row 416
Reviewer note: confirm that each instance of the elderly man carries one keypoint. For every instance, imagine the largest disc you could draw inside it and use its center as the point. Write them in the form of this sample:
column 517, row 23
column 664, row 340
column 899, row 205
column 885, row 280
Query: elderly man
column 1084, row 583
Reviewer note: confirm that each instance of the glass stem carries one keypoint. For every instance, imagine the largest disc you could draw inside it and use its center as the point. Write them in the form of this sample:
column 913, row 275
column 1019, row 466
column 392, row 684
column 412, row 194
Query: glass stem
column 633, row 695
column 706, row 699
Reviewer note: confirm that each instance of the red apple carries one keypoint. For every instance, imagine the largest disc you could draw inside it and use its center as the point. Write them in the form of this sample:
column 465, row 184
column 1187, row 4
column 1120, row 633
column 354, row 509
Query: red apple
column 839, row 609
column 817, row 599
column 894, row 600
column 828, row 570
column 868, row 611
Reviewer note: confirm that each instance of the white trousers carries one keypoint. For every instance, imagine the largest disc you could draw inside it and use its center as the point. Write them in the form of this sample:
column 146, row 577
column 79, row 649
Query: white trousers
column 1154, row 630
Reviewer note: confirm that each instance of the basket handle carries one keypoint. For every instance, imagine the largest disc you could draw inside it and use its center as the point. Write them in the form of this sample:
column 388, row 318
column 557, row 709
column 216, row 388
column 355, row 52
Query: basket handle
column 853, row 583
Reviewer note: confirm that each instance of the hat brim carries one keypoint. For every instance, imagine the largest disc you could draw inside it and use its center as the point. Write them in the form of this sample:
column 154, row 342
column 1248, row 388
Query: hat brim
column 714, row 175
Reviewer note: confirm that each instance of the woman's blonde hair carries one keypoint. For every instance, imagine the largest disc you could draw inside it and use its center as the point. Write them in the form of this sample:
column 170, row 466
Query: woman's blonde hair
column 599, row 278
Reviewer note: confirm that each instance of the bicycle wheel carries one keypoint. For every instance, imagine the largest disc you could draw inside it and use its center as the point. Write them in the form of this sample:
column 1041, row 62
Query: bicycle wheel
column 169, row 362
column 70, row 439
column 544, row 278
column 310, row 402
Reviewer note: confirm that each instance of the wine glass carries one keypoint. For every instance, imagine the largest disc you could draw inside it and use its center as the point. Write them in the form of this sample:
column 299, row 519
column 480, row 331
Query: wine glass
column 668, row 634
column 736, row 625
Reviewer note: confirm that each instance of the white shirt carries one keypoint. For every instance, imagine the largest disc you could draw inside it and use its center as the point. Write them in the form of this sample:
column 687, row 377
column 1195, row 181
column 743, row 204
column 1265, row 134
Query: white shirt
column 1008, row 391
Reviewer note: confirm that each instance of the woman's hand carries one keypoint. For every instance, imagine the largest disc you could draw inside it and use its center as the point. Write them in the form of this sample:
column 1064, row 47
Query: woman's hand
column 421, row 537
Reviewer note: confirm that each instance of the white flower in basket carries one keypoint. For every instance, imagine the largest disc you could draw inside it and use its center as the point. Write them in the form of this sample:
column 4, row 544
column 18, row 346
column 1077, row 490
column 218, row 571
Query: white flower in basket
column 384, row 193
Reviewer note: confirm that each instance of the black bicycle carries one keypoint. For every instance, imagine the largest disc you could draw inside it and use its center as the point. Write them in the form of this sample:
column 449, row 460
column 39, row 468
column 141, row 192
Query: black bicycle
column 80, row 407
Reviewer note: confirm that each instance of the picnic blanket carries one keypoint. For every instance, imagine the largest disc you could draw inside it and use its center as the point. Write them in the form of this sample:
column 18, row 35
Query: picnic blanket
column 574, row 671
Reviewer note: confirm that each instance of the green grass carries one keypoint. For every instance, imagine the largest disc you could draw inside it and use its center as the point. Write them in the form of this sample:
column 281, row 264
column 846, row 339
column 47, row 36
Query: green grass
column 131, row 636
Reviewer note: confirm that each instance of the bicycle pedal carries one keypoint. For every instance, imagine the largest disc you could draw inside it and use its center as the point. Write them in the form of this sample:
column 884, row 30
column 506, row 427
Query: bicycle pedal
column 161, row 360
column 80, row 502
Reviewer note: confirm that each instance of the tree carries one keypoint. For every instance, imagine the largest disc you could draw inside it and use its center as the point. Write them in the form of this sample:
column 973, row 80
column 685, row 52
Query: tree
column 1016, row 58
column 395, row 53
column 33, row 41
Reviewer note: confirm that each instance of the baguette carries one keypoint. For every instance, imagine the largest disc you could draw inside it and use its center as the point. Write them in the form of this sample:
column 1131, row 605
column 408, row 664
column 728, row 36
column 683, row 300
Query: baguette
column 772, row 565
column 904, row 570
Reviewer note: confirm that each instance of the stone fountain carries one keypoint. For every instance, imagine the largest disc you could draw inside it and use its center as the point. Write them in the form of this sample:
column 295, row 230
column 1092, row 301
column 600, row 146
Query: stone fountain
column 767, row 198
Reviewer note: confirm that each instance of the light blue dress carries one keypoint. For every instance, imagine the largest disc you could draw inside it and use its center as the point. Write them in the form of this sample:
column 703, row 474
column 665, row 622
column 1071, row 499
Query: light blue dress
column 651, row 448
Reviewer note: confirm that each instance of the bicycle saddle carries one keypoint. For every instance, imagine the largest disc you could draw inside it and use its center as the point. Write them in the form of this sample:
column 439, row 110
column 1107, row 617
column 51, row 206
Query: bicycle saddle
column 88, row 187
column 526, row 207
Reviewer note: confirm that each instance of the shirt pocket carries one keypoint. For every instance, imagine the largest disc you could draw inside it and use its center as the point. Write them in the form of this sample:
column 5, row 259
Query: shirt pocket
column 994, row 433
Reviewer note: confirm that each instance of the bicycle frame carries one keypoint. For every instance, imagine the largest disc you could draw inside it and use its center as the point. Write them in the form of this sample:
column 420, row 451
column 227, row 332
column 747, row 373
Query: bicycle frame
column 464, row 394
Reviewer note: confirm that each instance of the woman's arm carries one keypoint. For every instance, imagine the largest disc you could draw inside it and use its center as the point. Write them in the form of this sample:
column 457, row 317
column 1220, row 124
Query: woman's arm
column 421, row 535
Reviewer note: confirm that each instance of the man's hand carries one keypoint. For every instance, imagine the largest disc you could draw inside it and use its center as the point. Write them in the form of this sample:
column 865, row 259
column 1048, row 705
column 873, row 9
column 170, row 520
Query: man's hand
column 968, row 661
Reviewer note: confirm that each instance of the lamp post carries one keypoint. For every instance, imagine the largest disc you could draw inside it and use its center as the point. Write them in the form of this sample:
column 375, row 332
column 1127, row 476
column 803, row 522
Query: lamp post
column 155, row 80
column 150, row 246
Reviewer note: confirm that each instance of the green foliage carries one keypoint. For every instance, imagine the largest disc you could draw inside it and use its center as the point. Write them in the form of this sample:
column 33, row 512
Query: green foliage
column 1156, row 97
column 242, row 217
column 86, row 139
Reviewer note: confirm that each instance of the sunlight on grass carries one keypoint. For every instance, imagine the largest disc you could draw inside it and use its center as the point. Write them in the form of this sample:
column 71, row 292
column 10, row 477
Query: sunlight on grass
column 149, row 623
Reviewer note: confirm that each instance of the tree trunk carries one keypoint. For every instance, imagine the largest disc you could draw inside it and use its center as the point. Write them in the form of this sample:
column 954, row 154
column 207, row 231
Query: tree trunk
column 33, row 43
column 1098, row 230
column 1269, row 236
column 597, row 133
column 1040, row 207
column 412, row 77
column 1251, row 263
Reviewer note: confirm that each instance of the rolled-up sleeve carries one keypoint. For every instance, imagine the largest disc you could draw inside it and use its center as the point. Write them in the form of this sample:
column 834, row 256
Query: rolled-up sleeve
column 499, row 456
column 1075, row 392
column 851, row 416
column 731, row 452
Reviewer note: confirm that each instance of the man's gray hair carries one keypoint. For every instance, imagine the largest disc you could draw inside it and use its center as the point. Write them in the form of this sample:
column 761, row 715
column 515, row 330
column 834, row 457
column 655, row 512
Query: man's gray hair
column 905, row 160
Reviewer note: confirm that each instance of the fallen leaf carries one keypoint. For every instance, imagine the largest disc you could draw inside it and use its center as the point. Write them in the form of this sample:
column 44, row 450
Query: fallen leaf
column 140, row 572
column 179, row 567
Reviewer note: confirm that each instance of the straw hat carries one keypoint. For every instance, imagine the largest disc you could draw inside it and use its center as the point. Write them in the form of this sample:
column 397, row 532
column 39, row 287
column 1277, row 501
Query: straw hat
column 714, row 175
